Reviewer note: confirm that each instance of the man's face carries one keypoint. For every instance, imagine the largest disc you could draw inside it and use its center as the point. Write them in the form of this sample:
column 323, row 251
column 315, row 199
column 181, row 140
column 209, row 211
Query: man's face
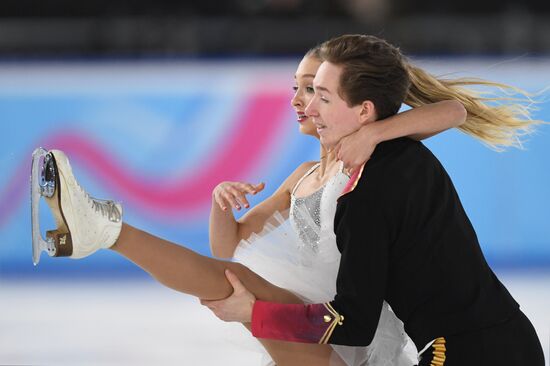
column 331, row 115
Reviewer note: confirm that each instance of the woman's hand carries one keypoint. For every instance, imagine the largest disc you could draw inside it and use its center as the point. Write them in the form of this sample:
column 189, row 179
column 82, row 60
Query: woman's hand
column 355, row 149
column 233, row 194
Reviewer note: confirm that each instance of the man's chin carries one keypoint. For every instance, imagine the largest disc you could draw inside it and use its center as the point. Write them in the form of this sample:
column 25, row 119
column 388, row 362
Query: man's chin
column 327, row 144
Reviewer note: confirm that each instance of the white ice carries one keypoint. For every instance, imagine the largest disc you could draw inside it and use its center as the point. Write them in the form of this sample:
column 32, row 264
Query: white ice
column 75, row 322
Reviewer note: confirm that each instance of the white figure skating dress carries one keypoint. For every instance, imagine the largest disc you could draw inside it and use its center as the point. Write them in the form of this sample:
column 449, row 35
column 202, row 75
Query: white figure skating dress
column 299, row 253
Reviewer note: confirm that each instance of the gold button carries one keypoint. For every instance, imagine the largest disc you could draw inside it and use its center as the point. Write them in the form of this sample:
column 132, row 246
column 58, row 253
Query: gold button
column 327, row 318
column 341, row 320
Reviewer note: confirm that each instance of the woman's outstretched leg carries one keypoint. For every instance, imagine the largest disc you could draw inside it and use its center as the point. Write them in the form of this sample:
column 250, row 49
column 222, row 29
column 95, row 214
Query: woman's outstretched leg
column 86, row 224
column 189, row 272
column 186, row 271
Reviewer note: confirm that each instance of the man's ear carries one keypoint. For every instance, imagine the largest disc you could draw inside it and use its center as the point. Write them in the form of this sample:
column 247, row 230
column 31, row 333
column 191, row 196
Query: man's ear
column 367, row 112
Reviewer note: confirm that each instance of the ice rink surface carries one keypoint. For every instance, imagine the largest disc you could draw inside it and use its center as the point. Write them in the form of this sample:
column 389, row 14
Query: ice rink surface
column 139, row 322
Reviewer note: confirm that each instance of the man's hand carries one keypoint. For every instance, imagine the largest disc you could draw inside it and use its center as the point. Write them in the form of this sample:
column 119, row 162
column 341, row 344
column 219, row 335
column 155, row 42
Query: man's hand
column 235, row 308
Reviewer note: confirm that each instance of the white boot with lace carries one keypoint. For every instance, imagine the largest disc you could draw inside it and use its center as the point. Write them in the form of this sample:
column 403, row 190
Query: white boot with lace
column 84, row 224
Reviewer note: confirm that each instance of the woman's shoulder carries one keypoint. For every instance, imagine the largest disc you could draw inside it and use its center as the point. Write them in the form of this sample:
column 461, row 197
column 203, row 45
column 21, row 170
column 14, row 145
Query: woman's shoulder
column 298, row 173
column 305, row 167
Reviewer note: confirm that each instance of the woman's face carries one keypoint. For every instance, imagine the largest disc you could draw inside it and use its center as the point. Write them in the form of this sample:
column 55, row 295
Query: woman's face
column 303, row 92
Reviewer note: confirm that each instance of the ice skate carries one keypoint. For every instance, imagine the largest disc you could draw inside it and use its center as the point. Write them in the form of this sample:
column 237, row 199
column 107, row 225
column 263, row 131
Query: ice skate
column 84, row 224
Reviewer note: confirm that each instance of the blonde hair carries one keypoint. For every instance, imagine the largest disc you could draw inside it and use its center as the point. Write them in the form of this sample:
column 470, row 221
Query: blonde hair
column 373, row 69
column 497, row 121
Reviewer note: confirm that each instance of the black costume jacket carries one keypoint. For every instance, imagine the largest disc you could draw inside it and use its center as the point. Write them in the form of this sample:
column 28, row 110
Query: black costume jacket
column 405, row 238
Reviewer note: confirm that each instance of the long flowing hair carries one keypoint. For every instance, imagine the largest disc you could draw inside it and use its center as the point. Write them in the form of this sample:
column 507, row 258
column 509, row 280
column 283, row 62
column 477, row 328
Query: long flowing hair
column 373, row 69
column 498, row 121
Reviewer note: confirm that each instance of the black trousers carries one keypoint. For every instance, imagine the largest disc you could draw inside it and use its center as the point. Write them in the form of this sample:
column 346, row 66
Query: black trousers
column 512, row 343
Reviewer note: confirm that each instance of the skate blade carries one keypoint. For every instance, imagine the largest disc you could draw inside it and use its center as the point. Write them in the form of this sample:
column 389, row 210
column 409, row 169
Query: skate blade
column 45, row 183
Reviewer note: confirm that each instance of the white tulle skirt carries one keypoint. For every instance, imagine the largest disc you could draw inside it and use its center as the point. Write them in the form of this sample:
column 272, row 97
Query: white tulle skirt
column 278, row 255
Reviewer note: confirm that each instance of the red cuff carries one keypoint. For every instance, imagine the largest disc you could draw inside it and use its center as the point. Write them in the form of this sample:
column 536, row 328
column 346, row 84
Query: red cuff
column 294, row 322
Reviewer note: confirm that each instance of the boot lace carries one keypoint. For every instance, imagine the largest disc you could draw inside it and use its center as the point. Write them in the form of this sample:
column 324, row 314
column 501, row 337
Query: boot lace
column 107, row 208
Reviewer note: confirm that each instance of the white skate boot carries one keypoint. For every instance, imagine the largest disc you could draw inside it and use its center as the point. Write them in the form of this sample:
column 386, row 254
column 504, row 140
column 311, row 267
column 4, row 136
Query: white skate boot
column 84, row 224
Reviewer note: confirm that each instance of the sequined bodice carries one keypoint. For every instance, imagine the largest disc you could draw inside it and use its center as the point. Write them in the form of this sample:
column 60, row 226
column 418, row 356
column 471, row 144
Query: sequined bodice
column 313, row 215
column 308, row 227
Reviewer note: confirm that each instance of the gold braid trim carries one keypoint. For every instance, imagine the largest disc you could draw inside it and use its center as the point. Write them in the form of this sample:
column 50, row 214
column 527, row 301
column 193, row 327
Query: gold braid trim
column 336, row 319
column 439, row 352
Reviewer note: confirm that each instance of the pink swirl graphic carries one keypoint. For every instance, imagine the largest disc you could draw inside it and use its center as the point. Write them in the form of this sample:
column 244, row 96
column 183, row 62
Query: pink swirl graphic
column 253, row 135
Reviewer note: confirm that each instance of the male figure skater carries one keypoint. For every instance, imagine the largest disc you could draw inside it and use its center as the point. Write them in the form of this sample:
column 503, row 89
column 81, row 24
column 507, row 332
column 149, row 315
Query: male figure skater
column 404, row 237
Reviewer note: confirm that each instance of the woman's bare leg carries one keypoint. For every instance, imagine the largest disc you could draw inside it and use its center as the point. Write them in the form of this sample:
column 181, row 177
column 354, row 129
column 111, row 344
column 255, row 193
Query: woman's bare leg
column 186, row 271
column 85, row 224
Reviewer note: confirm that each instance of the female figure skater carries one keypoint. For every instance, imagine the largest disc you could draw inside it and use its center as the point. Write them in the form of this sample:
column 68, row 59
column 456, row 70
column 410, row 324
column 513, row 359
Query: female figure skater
column 402, row 232
column 88, row 224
